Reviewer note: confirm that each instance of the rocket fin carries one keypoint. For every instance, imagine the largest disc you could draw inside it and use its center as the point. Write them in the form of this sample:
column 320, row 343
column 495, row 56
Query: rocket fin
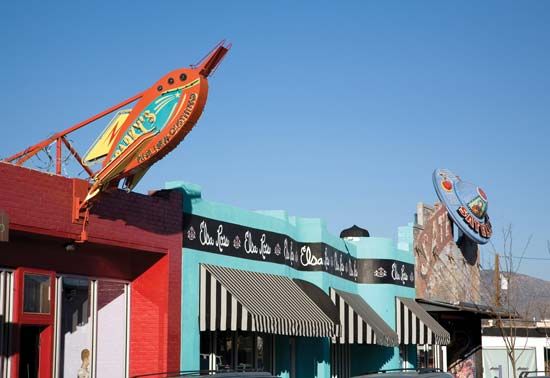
column 100, row 148
column 132, row 181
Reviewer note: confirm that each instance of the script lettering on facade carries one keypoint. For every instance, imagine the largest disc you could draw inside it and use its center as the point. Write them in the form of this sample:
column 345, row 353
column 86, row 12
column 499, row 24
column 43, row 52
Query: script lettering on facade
column 249, row 246
column 265, row 249
column 307, row 258
column 204, row 237
column 222, row 241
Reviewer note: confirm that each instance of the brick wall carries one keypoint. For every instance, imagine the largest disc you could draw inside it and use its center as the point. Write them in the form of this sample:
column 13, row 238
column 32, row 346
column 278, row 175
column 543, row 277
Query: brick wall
column 444, row 270
column 131, row 236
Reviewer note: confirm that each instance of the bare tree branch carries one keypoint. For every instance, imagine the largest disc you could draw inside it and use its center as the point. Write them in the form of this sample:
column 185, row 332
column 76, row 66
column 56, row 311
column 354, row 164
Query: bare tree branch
column 506, row 308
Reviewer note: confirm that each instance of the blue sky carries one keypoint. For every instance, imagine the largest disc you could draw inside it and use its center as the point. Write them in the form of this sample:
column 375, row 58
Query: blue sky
column 339, row 110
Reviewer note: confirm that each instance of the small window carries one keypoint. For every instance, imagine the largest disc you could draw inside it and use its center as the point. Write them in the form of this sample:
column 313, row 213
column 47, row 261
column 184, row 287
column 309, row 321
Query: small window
column 36, row 293
column 425, row 356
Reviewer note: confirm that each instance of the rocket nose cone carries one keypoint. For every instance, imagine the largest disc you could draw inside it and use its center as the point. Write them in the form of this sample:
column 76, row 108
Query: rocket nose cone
column 209, row 64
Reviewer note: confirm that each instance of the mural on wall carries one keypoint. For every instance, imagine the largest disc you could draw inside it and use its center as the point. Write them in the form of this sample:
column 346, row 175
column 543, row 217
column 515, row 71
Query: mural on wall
column 215, row 236
column 445, row 270
column 465, row 368
column 464, row 354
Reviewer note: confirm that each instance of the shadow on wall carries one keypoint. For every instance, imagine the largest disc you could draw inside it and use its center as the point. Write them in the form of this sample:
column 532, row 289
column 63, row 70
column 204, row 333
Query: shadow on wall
column 88, row 259
column 311, row 354
column 369, row 358
column 468, row 248
column 306, row 356
column 159, row 212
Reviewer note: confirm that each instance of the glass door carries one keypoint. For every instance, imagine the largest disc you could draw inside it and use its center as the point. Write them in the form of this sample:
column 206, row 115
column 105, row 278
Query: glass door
column 75, row 328
column 92, row 328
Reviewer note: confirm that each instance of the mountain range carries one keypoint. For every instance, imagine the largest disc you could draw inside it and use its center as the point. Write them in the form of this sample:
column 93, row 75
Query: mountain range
column 527, row 295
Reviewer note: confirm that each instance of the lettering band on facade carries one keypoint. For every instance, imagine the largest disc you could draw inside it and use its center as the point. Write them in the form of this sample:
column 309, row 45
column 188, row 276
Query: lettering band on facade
column 215, row 236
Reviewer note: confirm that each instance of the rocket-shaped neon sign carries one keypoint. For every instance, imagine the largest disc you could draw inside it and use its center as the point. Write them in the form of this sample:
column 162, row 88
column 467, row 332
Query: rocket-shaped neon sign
column 137, row 138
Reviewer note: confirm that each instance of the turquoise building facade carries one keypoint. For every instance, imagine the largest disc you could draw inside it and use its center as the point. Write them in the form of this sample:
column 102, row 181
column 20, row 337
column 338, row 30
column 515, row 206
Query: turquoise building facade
column 291, row 356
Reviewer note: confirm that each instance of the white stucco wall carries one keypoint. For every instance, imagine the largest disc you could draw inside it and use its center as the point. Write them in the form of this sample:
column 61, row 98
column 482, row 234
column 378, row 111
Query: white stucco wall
column 539, row 343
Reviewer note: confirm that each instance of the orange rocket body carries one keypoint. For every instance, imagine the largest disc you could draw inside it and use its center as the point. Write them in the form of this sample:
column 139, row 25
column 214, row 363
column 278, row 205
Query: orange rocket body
column 163, row 116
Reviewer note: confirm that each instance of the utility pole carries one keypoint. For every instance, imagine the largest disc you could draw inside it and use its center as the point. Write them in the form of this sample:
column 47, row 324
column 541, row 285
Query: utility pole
column 496, row 281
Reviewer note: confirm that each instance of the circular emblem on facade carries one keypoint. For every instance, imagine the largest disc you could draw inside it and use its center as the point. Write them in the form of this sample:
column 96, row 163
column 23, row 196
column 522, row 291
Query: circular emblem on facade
column 277, row 249
column 191, row 233
column 237, row 242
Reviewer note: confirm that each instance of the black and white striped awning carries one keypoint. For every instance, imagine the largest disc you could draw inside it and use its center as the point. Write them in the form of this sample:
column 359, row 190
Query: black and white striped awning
column 416, row 326
column 232, row 299
column 359, row 323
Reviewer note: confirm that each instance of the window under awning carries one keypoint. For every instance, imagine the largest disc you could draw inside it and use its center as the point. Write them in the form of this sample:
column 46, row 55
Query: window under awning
column 360, row 324
column 232, row 299
column 416, row 326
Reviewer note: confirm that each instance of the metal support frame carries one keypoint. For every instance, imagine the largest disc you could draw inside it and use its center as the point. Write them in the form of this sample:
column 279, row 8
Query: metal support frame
column 77, row 156
column 60, row 139
column 22, row 156
column 58, row 156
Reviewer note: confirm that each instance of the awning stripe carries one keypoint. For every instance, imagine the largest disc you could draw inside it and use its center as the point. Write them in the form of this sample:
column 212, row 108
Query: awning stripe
column 360, row 324
column 232, row 299
column 202, row 302
column 416, row 326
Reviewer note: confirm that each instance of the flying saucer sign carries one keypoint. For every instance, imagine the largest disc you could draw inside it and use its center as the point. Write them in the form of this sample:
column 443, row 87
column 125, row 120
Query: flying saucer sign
column 466, row 204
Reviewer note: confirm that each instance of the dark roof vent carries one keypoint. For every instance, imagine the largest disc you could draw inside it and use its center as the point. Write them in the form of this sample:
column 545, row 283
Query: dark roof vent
column 354, row 232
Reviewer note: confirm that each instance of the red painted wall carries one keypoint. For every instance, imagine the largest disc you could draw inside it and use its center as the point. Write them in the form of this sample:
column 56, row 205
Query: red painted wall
column 131, row 236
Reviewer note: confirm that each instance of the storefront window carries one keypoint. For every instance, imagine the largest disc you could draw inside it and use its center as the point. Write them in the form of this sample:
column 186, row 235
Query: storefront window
column 263, row 352
column 224, row 350
column 245, row 351
column 235, row 350
column 425, row 356
column 36, row 293
column 111, row 329
column 76, row 327
column 421, row 357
